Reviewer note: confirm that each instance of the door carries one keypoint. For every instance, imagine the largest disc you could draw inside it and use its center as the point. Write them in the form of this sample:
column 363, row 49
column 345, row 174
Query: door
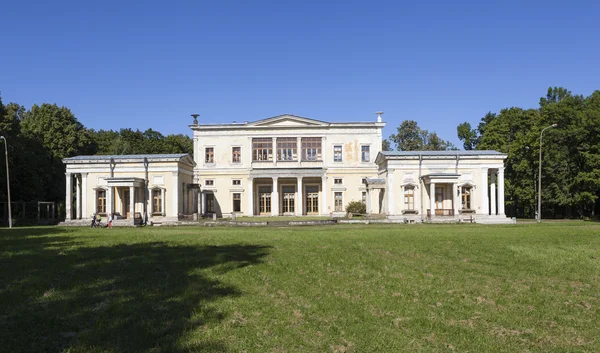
column 289, row 194
column 312, row 199
column 126, row 203
column 264, row 200
column 439, row 198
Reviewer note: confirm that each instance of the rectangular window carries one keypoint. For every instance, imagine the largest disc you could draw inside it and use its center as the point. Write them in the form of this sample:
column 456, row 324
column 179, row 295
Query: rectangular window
column 209, row 155
column 156, row 201
column 339, row 202
column 365, row 153
column 409, row 198
column 264, row 199
column 236, row 182
column 287, row 149
column 337, row 181
column 210, row 203
column 466, row 197
column 101, row 201
column 312, row 199
column 209, row 182
column 311, row 148
column 289, row 198
column 337, row 153
column 236, row 154
column 237, row 202
column 262, row 149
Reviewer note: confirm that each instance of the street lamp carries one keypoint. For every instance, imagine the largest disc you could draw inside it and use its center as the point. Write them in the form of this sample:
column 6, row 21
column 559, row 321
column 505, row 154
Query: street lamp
column 7, row 181
column 539, row 215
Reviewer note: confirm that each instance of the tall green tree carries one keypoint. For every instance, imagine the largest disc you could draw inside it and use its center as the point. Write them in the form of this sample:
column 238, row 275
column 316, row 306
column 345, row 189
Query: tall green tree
column 410, row 137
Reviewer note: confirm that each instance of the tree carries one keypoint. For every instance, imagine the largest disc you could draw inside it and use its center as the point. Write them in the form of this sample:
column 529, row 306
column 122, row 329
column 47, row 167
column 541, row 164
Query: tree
column 467, row 135
column 411, row 137
column 385, row 145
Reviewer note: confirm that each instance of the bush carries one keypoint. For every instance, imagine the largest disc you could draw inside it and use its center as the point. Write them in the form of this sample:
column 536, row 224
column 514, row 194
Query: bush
column 356, row 207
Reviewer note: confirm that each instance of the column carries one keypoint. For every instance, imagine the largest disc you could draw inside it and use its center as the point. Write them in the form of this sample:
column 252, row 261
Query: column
column 78, row 198
column 456, row 198
column 493, row 193
column 432, row 199
column 368, row 201
column 84, row 193
column 501, row 192
column 483, row 189
column 390, row 193
column 324, row 150
column 132, row 204
column 174, row 212
column 300, row 200
column 324, row 192
column 250, row 206
column 275, row 198
column 69, row 197
column 162, row 200
column 199, row 205
column 274, row 157
column 401, row 203
column 109, row 200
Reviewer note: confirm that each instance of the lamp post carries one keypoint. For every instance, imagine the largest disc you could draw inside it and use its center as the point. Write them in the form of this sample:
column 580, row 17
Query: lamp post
column 7, row 182
column 539, row 215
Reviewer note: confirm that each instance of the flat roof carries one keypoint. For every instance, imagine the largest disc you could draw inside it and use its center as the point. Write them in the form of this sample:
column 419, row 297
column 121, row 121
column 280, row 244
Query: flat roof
column 442, row 153
column 127, row 156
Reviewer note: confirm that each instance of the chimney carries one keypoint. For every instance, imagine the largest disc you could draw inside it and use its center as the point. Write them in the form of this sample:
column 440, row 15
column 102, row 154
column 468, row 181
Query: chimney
column 379, row 114
column 195, row 118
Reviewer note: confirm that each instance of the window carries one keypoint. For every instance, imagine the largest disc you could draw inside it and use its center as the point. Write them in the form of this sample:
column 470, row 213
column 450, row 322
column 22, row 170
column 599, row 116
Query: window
column 466, row 197
column 210, row 203
column 409, row 198
column 312, row 199
column 264, row 199
column 209, row 155
column 365, row 153
column 311, row 148
column 156, row 201
column 236, row 154
column 236, row 182
column 337, row 153
column 101, row 201
column 337, row 181
column 287, row 149
column 209, row 182
column 262, row 149
column 289, row 197
column 338, row 201
column 237, row 202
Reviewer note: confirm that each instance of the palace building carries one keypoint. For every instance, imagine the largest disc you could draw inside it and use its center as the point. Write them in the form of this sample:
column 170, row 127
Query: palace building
column 283, row 166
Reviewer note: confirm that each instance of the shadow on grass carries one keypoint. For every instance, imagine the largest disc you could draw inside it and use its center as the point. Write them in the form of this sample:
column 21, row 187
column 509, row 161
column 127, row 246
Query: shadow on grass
column 57, row 295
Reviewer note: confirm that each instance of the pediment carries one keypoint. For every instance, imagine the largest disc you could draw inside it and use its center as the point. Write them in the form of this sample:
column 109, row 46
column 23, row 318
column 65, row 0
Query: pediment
column 288, row 120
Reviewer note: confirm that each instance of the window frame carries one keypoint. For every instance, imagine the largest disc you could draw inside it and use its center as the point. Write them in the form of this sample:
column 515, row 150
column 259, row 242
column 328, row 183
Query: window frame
column 207, row 160
column 290, row 146
column 262, row 147
column 233, row 154
column 238, row 201
column 209, row 182
column 312, row 149
column 362, row 154
column 337, row 154
column 338, row 203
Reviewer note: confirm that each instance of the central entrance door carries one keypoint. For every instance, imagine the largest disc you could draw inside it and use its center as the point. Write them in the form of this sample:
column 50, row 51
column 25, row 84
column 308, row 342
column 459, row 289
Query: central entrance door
column 289, row 195
column 312, row 199
column 264, row 200
column 126, row 203
column 439, row 198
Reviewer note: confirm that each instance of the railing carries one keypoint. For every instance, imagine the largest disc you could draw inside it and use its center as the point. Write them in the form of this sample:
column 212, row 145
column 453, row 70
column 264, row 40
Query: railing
column 441, row 212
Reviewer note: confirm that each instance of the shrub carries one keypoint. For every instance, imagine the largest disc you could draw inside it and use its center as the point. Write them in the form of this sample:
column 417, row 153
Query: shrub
column 356, row 207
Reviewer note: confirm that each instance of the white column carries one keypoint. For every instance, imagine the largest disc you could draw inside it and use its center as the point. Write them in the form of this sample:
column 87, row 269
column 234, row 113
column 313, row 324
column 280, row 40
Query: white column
column 483, row 189
column 162, row 200
column 456, row 198
column 78, row 198
column 390, row 192
column 401, row 201
column 174, row 212
column 300, row 200
column 493, row 193
column 132, row 204
column 84, row 193
column 432, row 199
column 324, row 150
column 501, row 192
column 250, row 197
column 69, row 196
column 109, row 200
column 199, row 205
column 299, row 152
column 324, row 192
column 368, row 201
column 275, row 198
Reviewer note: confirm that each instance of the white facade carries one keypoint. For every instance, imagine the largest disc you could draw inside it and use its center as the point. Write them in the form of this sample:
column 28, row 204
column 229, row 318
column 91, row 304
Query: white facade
column 285, row 165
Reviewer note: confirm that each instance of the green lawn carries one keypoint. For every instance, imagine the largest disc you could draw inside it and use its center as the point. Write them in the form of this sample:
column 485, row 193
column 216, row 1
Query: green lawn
column 377, row 288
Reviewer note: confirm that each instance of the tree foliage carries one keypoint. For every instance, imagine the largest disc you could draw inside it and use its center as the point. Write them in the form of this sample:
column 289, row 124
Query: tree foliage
column 570, row 153
column 410, row 137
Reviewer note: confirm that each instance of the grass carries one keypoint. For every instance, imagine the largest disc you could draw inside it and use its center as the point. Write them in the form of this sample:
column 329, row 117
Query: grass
column 378, row 288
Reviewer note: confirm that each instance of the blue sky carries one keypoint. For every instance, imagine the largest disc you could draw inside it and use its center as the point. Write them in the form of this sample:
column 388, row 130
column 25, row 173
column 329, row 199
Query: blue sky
column 119, row 64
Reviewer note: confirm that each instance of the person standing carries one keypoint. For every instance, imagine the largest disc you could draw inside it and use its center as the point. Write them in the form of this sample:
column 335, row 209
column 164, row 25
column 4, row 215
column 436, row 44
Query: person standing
column 110, row 219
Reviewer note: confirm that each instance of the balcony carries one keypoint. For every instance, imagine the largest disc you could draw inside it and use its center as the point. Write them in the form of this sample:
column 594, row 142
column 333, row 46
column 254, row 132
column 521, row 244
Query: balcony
column 287, row 164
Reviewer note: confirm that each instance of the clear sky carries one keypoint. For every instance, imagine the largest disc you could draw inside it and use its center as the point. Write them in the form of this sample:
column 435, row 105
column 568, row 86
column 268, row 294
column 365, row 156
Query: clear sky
column 120, row 64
